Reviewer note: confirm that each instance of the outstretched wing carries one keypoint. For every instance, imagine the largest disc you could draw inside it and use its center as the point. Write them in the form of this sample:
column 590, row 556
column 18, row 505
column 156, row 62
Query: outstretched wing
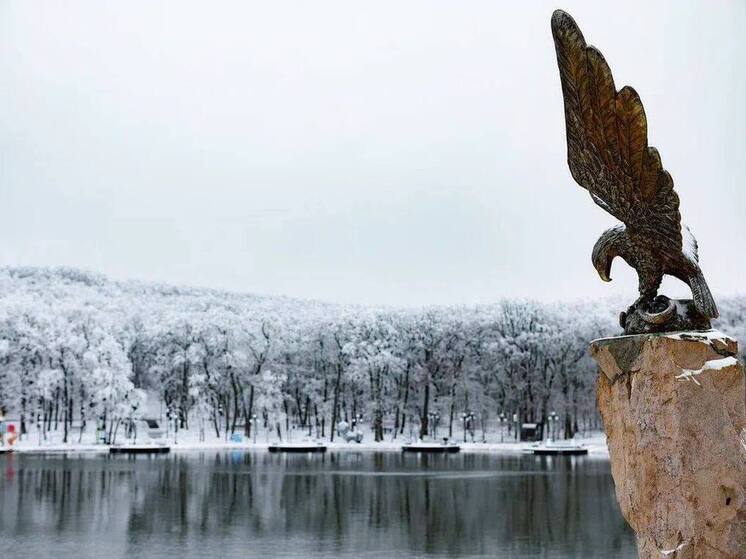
column 607, row 141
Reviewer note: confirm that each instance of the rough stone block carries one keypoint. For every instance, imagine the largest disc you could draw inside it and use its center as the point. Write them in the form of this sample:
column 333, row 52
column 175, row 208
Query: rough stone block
column 674, row 410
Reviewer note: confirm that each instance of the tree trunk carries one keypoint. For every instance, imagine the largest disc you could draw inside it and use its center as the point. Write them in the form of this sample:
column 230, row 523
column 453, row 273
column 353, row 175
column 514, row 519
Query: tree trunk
column 452, row 411
column 425, row 411
column 406, row 401
column 56, row 407
column 236, row 402
column 215, row 423
column 250, row 413
column 66, row 404
column 335, row 402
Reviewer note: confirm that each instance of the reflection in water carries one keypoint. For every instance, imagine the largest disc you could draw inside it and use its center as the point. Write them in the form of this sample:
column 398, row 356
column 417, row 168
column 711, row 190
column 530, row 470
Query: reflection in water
column 237, row 504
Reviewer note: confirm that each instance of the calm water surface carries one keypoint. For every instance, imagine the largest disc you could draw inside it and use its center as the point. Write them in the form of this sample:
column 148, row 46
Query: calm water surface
column 246, row 504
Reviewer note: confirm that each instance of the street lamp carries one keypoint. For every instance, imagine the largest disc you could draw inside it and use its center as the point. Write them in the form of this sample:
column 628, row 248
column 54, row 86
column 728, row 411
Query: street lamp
column 468, row 419
column 357, row 419
column 252, row 422
column 434, row 417
column 502, row 426
column 173, row 414
column 133, row 424
column 553, row 425
column 82, row 418
column 38, row 423
column 168, row 421
column 219, row 419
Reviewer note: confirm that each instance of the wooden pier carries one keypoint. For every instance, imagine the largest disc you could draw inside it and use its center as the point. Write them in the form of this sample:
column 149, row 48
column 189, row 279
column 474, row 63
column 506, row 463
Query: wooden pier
column 557, row 449
column 431, row 448
column 140, row 449
column 298, row 448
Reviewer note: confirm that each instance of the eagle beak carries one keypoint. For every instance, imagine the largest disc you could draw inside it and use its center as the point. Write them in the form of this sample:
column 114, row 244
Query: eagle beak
column 604, row 276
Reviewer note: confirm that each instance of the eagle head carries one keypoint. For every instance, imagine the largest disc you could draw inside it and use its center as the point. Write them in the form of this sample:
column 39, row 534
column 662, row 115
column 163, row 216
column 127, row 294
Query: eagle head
column 609, row 245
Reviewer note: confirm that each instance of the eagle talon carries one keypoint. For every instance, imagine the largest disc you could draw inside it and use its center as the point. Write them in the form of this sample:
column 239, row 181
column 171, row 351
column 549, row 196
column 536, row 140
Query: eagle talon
column 658, row 317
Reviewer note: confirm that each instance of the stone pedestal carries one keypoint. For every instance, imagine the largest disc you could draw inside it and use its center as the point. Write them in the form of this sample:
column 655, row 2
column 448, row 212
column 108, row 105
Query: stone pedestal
column 674, row 410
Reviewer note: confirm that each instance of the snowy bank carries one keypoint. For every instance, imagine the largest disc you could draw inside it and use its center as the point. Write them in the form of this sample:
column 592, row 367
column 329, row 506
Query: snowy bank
column 186, row 442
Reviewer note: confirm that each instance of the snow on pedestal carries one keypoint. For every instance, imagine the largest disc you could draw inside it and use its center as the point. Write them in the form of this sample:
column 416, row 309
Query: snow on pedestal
column 674, row 410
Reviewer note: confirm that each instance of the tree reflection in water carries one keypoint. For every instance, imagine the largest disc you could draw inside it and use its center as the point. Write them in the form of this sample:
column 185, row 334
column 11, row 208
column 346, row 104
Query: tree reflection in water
column 247, row 504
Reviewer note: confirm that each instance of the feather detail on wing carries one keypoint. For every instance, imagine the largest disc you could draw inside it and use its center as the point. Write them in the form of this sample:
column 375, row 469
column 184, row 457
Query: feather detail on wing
column 607, row 141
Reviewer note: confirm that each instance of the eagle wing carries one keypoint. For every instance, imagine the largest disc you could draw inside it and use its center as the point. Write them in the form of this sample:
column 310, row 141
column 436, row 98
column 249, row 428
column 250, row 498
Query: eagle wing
column 607, row 141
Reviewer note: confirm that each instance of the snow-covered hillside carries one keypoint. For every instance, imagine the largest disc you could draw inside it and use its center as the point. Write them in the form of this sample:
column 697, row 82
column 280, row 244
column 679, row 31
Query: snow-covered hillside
column 78, row 347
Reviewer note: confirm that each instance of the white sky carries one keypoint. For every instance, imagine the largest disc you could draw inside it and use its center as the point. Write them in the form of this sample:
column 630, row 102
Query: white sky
column 380, row 152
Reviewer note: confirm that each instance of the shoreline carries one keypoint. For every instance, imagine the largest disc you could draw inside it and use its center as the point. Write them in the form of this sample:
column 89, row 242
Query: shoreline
column 596, row 447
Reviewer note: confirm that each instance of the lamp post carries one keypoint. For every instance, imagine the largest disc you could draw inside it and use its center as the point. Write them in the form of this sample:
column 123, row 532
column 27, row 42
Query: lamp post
column 502, row 427
column 468, row 419
column 133, row 424
column 515, row 425
column 168, row 421
column 221, row 413
column 252, row 422
column 553, row 425
column 434, row 417
column 38, row 424
column 173, row 415
column 356, row 420
column 82, row 421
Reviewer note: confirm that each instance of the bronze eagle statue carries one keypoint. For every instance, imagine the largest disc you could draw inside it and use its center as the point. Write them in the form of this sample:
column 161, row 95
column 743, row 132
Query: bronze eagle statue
column 608, row 155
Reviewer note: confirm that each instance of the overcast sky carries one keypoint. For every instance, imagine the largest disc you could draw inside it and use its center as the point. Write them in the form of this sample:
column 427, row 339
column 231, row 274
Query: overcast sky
column 380, row 152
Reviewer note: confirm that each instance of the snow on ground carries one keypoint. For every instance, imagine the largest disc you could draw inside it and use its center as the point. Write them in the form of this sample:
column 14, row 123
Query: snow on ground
column 190, row 441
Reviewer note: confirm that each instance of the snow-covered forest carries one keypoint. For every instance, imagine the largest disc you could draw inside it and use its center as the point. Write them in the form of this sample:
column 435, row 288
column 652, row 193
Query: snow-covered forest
column 78, row 350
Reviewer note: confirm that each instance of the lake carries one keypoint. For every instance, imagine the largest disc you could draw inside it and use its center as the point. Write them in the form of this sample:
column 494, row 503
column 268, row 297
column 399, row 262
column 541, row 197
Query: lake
column 341, row 504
